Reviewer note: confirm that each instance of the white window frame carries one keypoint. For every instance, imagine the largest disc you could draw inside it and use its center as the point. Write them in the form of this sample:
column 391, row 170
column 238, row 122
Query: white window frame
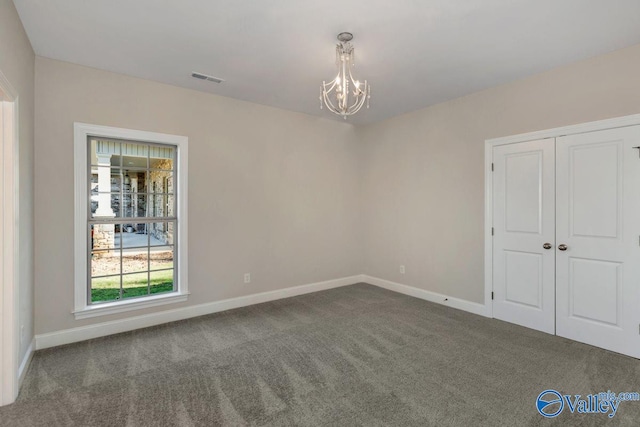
column 82, row 132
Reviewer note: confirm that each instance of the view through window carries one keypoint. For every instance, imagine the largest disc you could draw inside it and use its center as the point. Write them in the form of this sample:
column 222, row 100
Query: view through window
column 131, row 219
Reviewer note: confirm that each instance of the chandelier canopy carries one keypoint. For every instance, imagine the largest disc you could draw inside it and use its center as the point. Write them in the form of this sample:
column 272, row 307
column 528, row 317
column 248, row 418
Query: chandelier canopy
column 344, row 95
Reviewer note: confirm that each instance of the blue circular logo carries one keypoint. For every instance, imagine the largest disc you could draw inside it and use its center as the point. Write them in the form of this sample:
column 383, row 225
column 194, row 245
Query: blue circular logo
column 549, row 403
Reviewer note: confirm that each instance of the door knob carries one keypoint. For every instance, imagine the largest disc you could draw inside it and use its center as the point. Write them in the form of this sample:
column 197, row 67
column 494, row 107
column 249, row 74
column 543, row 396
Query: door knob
column 547, row 246
column 562, row 247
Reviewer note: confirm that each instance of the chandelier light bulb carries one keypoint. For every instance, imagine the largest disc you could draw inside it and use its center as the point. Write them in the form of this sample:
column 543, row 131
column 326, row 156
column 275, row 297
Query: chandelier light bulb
column 335, row 95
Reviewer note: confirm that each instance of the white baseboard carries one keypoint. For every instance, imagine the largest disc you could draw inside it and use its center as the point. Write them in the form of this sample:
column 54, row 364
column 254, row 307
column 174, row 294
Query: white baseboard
column 26, row 360
column 68, row 336
column 102, row 329
column 460, row 304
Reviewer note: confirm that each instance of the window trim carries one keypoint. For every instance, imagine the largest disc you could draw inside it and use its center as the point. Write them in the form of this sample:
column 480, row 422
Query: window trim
column 82, row 132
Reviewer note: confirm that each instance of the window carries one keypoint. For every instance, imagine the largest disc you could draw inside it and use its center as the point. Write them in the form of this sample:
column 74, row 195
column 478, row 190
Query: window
column 130, row 231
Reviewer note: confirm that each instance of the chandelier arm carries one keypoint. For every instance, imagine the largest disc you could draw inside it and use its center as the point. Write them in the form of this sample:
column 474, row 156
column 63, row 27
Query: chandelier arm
column 326, row 95
column 332, row 83
column 328, row 103
column 356, row 107
column 362, row 98
column 336, row 108
column 351, row 76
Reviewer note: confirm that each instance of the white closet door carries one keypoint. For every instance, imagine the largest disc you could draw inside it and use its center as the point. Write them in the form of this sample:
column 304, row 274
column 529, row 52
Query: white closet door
column 598, row 213
column 524, row 231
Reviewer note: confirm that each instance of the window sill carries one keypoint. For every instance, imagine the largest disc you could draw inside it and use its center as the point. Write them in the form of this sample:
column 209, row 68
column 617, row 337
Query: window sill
column 129, row 305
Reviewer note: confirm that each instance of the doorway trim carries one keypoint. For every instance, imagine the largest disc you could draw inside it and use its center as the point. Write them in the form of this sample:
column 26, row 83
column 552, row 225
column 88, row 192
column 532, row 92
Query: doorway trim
column 9, row 247
column 489, row 144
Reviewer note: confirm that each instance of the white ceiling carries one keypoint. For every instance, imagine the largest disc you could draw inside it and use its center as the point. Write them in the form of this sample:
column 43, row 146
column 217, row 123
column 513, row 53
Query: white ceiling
column 414, row 53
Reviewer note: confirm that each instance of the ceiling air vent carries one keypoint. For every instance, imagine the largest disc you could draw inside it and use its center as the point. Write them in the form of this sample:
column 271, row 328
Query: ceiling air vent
column 205, row 77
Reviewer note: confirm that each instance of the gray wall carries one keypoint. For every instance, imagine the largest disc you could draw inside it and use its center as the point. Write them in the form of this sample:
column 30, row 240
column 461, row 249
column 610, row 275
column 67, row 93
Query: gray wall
column 271, row 192
column 296, row 199
column 423, row 172
column 17, row 64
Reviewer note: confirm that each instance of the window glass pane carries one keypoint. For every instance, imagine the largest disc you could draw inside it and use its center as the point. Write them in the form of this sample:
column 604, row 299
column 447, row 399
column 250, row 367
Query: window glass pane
column 139, row 206
column 132, row 236
column 161, row 157
column 104, row 236
column 105, row 179
column 142, row 205
column 105, row 263
column 134, row 205
column 162, row 233
column 161, row 281
column 161, row 257
column 135, row 260
column 135, row 155
column 104, row 153
column 162, row 205
column 160, row 181
column 155, row 205
column 135, row 285
column 136, row 228
column 105, row 205
column 104, row 289
column 134, row 181
column 128, row 205
column 170, row 202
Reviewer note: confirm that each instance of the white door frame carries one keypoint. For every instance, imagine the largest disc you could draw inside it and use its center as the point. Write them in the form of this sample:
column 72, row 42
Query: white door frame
column 9, row 248
column 489, row 144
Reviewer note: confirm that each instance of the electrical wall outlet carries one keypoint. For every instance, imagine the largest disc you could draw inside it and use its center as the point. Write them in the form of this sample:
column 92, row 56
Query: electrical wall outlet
column 402, row 270
column 247, row 277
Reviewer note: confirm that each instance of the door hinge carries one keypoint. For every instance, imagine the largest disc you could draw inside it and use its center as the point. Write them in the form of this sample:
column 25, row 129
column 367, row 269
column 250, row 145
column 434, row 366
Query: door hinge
column 492, row 165
column 492, row 295
column 492, row 231
column 637, row 148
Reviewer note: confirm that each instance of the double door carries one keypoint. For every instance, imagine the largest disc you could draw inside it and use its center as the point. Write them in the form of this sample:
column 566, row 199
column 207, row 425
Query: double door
column 566, row 243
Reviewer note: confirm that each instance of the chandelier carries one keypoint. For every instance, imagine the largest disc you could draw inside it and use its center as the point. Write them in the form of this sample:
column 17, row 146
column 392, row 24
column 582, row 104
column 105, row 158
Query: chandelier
column 344, row 95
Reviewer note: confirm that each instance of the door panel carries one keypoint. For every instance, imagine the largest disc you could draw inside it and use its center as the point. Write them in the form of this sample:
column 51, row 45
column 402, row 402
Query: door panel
column 595, row 191
column 521, row 288
column 598, row 194
column 522, row 192
column 595, row 290
column 524, row 220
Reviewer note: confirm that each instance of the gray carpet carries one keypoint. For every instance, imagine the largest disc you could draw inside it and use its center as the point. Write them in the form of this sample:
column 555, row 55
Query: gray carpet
column 353, row 356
